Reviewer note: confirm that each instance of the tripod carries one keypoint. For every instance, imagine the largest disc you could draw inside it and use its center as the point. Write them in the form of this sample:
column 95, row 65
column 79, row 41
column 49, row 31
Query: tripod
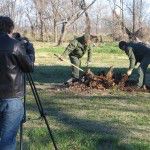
column 40, row 108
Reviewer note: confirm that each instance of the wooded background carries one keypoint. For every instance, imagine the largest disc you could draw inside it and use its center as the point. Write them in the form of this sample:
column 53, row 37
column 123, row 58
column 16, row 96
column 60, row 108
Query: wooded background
column 60, row 20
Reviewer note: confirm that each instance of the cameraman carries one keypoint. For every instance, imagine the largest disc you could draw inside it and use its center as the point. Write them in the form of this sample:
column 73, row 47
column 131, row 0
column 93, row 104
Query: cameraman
column 14, row 62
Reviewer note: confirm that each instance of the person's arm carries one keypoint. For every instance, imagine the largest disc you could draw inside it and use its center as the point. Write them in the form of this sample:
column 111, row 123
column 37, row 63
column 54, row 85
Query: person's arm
column 24, row 60
column 132, row 60
column 72, row 45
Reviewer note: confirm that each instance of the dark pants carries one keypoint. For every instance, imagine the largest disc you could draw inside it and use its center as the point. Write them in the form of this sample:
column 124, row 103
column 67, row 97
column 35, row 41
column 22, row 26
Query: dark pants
column 11, row 113
column 142, row 70
column 76, row 61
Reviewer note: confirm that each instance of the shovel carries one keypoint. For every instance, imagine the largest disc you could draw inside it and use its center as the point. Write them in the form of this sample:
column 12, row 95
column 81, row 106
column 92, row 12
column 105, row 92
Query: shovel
column 62, row 59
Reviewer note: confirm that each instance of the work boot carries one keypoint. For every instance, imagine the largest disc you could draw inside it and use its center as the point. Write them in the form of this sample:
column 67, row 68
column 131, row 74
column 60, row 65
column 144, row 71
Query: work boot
column 144, row 87
column 70, row 81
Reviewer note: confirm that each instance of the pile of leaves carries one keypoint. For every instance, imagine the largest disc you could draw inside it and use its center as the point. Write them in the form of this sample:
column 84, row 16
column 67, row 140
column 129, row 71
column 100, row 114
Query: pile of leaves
column 89, row 81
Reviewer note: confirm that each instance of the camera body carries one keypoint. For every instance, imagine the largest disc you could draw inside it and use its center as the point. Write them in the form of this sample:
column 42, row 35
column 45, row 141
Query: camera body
column 27, row 44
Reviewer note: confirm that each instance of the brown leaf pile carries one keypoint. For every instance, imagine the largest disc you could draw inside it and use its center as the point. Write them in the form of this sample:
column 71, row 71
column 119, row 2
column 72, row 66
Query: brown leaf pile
column 103, row 81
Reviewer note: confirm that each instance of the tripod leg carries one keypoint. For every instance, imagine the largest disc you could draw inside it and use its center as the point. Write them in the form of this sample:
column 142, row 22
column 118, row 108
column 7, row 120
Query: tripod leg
column 21, row 136
column 34, row 94
column 24, row 116
column 40, row 107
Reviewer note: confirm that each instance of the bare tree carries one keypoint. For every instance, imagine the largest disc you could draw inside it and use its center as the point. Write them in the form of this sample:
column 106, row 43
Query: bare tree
column 66, row 21
column 116, row 19
column 135, row 31
column 73, row 17
column 55, row 4
column 87, row 22
column 53, row 19
column 28, row 10
column 136, row 12
column 40, row 6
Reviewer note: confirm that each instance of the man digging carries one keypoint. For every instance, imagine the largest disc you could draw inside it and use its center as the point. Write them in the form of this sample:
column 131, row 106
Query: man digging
column 76, row 49
column 137, row 52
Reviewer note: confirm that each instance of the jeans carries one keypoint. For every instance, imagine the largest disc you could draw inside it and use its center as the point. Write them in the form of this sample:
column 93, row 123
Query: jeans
column 11, row 114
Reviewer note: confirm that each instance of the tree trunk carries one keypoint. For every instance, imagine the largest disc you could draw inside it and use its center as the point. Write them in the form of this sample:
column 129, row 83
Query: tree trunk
column 41, row 26
column 63, row 31
column 113, row 27
column 32, row 32
column 97, row 23
column 140, row 15
column 87, row 21
column 55, row 31
column 122, row 17
column 134, row 19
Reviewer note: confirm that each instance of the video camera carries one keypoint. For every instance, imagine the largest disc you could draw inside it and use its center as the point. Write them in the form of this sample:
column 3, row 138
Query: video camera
column 18, row 37
column 27, row 44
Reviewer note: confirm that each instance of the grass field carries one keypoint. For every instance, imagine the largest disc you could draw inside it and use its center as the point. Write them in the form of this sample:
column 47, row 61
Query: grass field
column 112, row 120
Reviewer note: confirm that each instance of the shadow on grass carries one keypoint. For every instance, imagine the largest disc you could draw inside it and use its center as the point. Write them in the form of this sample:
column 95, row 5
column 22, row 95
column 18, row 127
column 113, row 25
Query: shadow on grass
column 59, row 74
column 114, row 144
column 25, row 145
column 109, row 134
column 87, row 128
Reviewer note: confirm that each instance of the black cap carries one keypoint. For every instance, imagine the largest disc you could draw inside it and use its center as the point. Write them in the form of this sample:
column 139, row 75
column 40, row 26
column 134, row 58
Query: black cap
column 122, row 44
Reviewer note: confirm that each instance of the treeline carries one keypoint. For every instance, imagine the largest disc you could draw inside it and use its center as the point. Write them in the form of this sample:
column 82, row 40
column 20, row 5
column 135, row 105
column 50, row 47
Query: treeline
column 55, row 20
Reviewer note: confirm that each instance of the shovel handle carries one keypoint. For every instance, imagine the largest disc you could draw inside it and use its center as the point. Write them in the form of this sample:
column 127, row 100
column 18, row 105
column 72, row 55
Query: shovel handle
column 59, row 57
column 68, row 62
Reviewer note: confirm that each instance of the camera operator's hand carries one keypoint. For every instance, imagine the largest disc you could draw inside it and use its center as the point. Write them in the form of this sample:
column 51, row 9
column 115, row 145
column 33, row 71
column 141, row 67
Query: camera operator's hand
column 29, row 49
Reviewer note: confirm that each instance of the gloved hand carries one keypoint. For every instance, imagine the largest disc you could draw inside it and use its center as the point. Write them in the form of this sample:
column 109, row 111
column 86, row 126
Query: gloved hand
column 129, row 72
column 88, row 63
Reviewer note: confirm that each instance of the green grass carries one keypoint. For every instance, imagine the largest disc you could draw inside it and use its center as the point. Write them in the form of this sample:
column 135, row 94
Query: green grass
column 102, row 48
column 111, row 48
column 111, row 120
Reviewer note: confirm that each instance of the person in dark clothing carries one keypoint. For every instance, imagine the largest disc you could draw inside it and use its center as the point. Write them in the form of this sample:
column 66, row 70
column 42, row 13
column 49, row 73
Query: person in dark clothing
column 76, row 49
column 14, row 62
column 137, row 53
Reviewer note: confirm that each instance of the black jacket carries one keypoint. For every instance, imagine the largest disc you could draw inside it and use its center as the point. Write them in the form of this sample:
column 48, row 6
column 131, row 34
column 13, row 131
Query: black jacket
column 14, row 62
column 136, row 53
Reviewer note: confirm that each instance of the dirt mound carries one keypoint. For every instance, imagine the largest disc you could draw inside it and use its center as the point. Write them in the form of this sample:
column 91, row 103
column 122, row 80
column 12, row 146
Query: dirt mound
column 89, row 81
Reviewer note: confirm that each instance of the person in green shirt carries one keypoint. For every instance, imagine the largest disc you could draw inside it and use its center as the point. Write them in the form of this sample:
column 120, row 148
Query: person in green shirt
column 75, row 50
column 137, row 53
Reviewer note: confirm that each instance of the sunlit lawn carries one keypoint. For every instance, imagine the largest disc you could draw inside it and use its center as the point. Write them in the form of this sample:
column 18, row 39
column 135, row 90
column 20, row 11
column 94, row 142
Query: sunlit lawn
column 112, row 120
